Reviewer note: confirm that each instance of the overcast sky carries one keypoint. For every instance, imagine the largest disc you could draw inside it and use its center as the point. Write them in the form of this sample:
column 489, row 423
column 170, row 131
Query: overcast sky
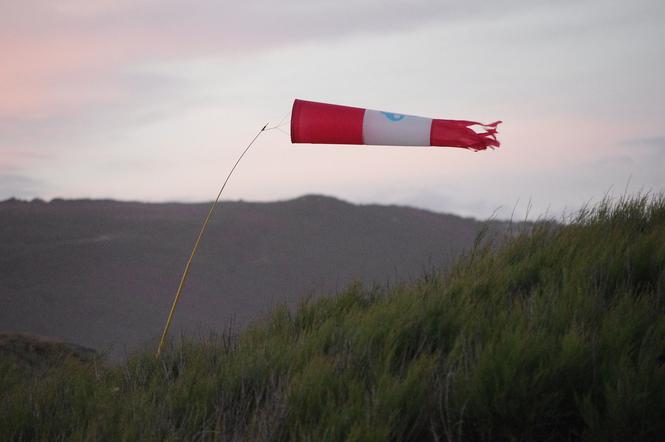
column 154, row 100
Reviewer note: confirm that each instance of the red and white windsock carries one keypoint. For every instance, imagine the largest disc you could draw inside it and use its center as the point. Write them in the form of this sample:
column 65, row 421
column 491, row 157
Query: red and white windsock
column 322, row 123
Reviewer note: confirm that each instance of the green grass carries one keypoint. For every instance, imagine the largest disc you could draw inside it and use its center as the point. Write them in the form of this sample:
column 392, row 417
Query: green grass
column 555, row 334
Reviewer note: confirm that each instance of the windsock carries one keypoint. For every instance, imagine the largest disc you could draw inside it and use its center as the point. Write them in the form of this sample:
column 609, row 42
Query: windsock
column 322, row 123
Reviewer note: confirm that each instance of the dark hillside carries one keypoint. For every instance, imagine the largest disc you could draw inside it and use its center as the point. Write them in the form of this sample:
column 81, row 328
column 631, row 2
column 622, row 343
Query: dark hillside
column 557, row 335
column 34, row 355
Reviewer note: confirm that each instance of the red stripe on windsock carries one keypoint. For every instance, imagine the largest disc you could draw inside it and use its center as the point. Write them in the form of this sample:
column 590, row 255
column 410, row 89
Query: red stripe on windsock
column 458, row 133
column 323, row 123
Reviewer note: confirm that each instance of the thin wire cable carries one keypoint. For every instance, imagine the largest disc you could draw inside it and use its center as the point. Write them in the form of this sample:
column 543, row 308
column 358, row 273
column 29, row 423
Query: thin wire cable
column 281, row 123
column 282, row 131
column 185, row 273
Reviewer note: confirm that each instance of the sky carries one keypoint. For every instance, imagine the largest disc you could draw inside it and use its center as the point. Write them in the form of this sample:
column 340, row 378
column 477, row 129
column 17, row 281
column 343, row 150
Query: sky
column 154, row 100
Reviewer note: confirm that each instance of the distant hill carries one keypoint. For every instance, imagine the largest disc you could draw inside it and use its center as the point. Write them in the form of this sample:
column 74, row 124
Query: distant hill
column 103, row 273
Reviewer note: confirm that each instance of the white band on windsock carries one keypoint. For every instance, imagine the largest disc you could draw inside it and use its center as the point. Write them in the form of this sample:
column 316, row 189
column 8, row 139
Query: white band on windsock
column 386, row 128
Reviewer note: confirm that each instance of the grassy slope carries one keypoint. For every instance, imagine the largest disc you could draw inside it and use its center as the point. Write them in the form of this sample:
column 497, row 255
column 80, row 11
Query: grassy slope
column 559, row 334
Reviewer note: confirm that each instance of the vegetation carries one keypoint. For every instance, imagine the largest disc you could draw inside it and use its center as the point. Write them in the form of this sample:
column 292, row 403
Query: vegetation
column 556, row 334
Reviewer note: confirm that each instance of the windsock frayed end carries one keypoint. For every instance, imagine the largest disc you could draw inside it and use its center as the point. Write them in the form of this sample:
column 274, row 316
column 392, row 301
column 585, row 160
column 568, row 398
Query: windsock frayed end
column 458, row 133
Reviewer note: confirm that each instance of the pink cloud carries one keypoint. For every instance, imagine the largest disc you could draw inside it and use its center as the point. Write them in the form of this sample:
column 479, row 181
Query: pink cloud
column 64, row 55
column 57, row 74
column 12, row 158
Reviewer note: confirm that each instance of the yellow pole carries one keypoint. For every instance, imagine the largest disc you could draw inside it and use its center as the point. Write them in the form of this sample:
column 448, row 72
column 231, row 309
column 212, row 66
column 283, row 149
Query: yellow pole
column 185, row 273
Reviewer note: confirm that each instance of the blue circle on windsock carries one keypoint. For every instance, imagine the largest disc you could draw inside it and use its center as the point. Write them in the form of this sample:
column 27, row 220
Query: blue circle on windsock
column 393, row 117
